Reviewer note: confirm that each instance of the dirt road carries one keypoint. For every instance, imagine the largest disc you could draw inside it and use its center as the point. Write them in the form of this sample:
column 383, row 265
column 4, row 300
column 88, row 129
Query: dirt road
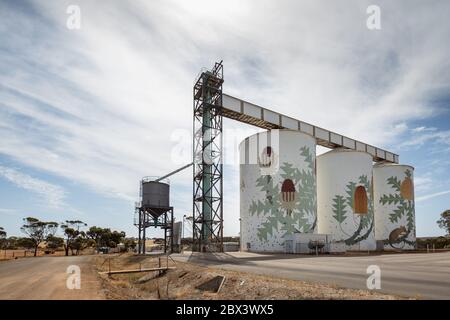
column 45, row 278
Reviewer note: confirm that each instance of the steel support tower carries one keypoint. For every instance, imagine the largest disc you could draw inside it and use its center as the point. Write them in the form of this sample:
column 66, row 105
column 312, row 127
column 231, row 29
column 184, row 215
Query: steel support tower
column 146, row 216
column 207, row 161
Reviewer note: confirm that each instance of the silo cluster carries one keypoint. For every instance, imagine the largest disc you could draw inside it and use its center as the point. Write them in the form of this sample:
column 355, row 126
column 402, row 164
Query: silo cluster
column 342, row 197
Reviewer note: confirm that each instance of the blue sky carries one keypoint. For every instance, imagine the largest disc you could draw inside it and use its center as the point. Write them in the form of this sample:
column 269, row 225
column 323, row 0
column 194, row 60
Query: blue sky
column 84, row 114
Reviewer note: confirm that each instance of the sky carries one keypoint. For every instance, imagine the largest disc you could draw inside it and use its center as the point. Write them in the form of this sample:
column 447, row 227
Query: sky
column 86, row 112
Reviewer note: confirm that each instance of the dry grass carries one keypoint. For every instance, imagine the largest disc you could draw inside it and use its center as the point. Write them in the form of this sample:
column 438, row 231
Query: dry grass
column 181, row 283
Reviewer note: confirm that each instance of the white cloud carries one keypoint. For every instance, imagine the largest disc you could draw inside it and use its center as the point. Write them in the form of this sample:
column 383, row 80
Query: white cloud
column 99, row 106
column 429, row 136
column 7, row 211
column 53, row 194
column 422, row 129
column 423, row 183
column 432, row 195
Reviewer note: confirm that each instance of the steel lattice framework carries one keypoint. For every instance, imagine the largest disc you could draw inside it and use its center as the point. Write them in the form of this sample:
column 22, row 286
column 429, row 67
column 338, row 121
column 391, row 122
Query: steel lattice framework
column 207, row 161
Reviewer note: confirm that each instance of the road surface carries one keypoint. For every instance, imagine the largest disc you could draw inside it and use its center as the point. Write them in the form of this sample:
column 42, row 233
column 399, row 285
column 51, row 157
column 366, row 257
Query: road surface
column 45, row 278
column 425, row 276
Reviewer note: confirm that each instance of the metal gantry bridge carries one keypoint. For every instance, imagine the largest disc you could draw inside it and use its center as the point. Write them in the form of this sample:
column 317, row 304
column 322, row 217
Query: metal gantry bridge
column 246, row 112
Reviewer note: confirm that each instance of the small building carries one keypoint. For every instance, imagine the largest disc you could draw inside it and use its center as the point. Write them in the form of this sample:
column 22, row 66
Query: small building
column 230, row 246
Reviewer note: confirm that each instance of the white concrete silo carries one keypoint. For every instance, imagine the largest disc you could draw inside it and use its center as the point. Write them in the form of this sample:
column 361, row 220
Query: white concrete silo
column 277, row 188
column 344, row 197
column 395, row 227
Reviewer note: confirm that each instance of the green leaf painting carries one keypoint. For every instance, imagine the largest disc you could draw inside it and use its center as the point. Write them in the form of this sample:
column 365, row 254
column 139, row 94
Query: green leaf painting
column 339, row 208
column 394, row 182
column 391, row 198
column 276, row 219
column 344, row 207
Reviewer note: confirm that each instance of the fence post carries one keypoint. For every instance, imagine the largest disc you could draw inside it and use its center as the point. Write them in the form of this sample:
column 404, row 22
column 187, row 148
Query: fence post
column 159, row 265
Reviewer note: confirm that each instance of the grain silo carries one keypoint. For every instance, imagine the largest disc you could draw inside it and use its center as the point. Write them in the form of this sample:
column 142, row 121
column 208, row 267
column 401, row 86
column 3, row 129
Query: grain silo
column 395, row 227
column 344, row 197
column 277, row 188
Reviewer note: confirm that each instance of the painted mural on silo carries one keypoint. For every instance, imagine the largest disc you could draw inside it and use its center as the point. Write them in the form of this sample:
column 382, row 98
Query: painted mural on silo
column 344, row 196
column 395, row 226
column 277, row 188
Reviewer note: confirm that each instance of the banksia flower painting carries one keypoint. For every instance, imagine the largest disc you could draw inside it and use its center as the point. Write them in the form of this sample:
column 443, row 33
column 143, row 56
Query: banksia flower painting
column 360, row 200
column 407, row 189
column 288, row 195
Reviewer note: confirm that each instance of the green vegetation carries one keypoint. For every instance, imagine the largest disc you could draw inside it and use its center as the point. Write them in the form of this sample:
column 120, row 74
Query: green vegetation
column 38, row 231
column 444, row 221
column 104, row 237
column 436, row 243
column 40, row 234
column 2, row 237
column 75, row 239
column 54, row 242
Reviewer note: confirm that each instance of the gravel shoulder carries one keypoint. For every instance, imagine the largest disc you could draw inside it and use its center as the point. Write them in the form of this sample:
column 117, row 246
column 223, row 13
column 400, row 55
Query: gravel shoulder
column 192, row 281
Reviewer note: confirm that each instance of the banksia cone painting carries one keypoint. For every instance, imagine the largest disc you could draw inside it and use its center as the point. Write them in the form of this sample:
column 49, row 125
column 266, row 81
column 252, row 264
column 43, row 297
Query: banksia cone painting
column 360, row 201
column 407, row 189
column 288, row 195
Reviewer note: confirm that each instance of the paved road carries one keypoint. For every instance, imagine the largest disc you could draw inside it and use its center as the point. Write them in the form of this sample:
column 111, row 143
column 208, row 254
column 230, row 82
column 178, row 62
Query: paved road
column 425, row 276
column 45, row 278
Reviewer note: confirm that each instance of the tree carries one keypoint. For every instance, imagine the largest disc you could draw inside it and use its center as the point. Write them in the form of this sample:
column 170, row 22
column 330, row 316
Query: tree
column 38, row 231
column 2, row 233
column 115, row 238
column 72, row 231
column 54, row 242
column 25, row 243
column 2, row 238
column 82, row 242
column 104, row 237
column 129, row 243
column 95, row 233
column 444, row 221
column 10, row 243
